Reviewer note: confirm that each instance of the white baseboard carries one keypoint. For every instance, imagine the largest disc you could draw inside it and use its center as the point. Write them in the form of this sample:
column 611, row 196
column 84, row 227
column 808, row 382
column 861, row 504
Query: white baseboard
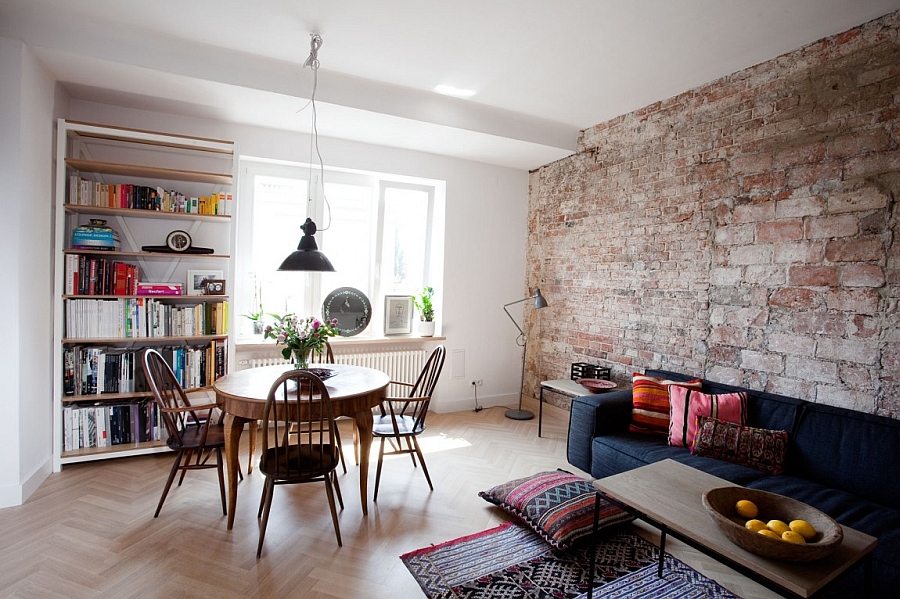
column 18, row 494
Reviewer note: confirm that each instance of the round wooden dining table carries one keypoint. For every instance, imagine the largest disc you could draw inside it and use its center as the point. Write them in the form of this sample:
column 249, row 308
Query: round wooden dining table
column 354, row 391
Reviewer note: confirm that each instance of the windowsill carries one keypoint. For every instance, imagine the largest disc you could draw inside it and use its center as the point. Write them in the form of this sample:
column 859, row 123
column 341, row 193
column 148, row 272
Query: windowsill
column 254, row 343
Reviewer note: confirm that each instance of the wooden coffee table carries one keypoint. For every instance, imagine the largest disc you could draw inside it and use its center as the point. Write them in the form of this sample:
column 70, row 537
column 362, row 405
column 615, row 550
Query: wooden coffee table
column 667, row 495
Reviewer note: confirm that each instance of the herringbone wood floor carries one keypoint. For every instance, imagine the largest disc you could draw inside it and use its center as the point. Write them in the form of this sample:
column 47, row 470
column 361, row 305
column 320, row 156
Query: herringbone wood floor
column 89, row 531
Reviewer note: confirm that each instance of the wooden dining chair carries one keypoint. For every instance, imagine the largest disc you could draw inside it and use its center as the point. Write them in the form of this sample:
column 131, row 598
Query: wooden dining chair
column 404, row 418
column 298, row 454
column 193, row 435
column 327, row 357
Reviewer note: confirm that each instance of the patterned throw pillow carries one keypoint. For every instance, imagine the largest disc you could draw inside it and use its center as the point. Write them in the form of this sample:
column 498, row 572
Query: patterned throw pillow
column 688, row 405
column 558, row 505
column 759, row 448
column 650, row 397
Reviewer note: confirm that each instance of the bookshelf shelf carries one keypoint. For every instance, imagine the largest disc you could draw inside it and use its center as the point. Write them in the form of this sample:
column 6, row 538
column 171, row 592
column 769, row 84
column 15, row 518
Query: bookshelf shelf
column 146, row 185
column 146, row 255
column 136, row 213
column 186, row 299
column 146, row 172
column 169, row 339
column 112, row 397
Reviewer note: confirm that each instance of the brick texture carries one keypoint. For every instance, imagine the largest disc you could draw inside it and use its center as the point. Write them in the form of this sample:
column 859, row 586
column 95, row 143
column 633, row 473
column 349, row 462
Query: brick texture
column 747, row 231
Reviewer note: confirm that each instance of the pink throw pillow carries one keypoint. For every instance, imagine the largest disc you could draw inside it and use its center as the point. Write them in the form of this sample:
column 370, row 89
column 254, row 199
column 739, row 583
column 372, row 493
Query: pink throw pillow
column 688, row 405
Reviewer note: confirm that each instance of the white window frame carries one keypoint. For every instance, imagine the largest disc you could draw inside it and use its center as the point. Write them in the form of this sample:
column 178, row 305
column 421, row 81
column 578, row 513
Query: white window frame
column 251, row 167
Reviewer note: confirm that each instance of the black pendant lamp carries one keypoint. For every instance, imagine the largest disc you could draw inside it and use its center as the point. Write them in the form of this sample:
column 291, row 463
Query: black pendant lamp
column 307, row 256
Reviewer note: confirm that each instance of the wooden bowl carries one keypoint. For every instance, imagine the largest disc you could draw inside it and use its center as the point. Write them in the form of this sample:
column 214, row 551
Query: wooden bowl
column 720, row 504
column 596, row 385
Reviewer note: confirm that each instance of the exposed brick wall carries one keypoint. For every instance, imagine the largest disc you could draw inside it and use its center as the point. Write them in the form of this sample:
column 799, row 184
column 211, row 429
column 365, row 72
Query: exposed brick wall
column 745, row 231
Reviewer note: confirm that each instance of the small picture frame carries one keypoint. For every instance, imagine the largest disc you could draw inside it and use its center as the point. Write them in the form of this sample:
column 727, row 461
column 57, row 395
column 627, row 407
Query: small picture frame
column 196, row 278
column 214, row 287
column 397, row 315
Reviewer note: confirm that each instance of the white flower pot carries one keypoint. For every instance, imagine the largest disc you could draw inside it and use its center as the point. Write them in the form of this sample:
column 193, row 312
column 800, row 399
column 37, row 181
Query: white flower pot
column 426, row 328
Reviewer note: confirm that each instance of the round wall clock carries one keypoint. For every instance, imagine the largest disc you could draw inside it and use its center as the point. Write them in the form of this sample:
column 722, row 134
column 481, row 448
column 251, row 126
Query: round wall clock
column 350, row 307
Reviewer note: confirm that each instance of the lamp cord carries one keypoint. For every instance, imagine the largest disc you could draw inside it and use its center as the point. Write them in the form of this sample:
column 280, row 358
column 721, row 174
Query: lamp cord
column 312, row 62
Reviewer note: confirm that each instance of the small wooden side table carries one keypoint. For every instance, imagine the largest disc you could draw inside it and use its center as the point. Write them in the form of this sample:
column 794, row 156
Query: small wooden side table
column 566, row 387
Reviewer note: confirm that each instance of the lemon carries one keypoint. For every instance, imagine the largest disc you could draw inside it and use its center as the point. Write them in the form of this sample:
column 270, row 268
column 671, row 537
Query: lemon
column 793, row 537
column 768, row 533
column 804, row 529
column 746, row 509
column 755, row 525
column 777, row 526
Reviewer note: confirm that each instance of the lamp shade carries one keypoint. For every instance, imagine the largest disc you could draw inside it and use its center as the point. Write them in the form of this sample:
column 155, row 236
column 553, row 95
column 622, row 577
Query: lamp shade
column 539, row 301
column 307, row 256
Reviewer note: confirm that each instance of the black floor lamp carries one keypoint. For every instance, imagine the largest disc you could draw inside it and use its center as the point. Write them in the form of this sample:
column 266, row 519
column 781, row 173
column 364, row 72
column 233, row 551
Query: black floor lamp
column 539, row 302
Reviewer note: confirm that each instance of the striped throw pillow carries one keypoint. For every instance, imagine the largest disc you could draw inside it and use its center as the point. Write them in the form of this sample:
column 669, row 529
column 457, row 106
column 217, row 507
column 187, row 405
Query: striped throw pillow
column 650, row 399
column 688, row 405
column 558, row 505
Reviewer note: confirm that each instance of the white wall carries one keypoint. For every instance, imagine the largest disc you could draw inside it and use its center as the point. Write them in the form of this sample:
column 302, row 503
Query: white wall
column 26, row 168
column 485, row 240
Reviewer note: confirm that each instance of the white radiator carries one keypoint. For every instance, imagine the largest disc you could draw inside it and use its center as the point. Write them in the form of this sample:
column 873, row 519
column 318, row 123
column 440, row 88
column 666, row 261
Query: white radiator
column 400, row 365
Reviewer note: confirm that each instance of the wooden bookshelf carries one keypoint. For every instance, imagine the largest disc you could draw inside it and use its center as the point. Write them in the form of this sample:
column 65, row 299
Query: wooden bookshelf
column 192, row 167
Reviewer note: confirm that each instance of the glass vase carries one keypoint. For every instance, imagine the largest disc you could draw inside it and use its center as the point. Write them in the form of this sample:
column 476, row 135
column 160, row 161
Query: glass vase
column 301, row 358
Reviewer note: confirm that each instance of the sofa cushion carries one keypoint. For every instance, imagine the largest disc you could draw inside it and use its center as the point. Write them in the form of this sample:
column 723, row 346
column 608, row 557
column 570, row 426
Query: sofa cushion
column 613, row 454
column 848, row 450
column 688, row 405
column 760, row 448
column 650, row 403
column 559, row 506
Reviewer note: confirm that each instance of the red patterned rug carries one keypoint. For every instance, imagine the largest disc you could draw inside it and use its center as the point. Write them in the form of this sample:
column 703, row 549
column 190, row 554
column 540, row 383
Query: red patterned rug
column 512, row 562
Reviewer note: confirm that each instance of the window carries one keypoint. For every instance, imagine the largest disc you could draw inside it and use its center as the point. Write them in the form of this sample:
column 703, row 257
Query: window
column 383, row 234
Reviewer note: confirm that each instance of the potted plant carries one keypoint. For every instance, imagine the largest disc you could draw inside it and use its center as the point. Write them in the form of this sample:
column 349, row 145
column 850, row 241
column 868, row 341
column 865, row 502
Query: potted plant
column 425, row 307
column 301, row 337
column 256, row 317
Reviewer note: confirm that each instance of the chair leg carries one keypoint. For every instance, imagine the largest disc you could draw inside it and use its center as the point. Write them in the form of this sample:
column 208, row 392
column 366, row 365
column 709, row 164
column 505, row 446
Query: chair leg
column 221, row 480
column 268, row 491
column 378, row 470
column 334, row 520
column 412, row 452
column 422, row 459
column 337, row 439
column 262, row 498
column 188, row 454
column 337, row 488
column 175, row 466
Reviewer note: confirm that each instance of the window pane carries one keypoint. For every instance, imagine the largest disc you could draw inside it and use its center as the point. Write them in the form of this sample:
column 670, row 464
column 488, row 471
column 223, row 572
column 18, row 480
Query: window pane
column 348, row 240
column 279, row 208
column 404, row 247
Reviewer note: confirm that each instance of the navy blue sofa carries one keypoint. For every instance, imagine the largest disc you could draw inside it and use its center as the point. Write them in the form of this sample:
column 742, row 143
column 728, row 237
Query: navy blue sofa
column 844, row 463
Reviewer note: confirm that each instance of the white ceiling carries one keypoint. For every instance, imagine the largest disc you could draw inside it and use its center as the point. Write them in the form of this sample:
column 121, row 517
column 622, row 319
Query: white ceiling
column 543, row 69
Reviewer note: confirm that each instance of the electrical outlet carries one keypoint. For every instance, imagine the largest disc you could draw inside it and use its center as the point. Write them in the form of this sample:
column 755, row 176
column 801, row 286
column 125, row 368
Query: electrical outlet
column 477, row 382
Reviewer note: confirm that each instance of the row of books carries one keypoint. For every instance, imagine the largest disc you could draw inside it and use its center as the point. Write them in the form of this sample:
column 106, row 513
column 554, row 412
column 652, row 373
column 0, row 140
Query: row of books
column 130, row 318
column 87, row 275
column 96, row 425
column 95, row 370
column 84, row 192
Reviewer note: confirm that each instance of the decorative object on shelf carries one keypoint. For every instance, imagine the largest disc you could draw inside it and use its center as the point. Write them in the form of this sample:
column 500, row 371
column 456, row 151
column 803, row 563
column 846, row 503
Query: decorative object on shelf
column 196, row 278
column 397, row 314
column 583, row 370
column 596, row 385
column 301, row 336
column 538, row 303
column 214, row 287
column 350, row 308
column 425, row 308
column 178, row 242
column 720, row 504
column 96, row 235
